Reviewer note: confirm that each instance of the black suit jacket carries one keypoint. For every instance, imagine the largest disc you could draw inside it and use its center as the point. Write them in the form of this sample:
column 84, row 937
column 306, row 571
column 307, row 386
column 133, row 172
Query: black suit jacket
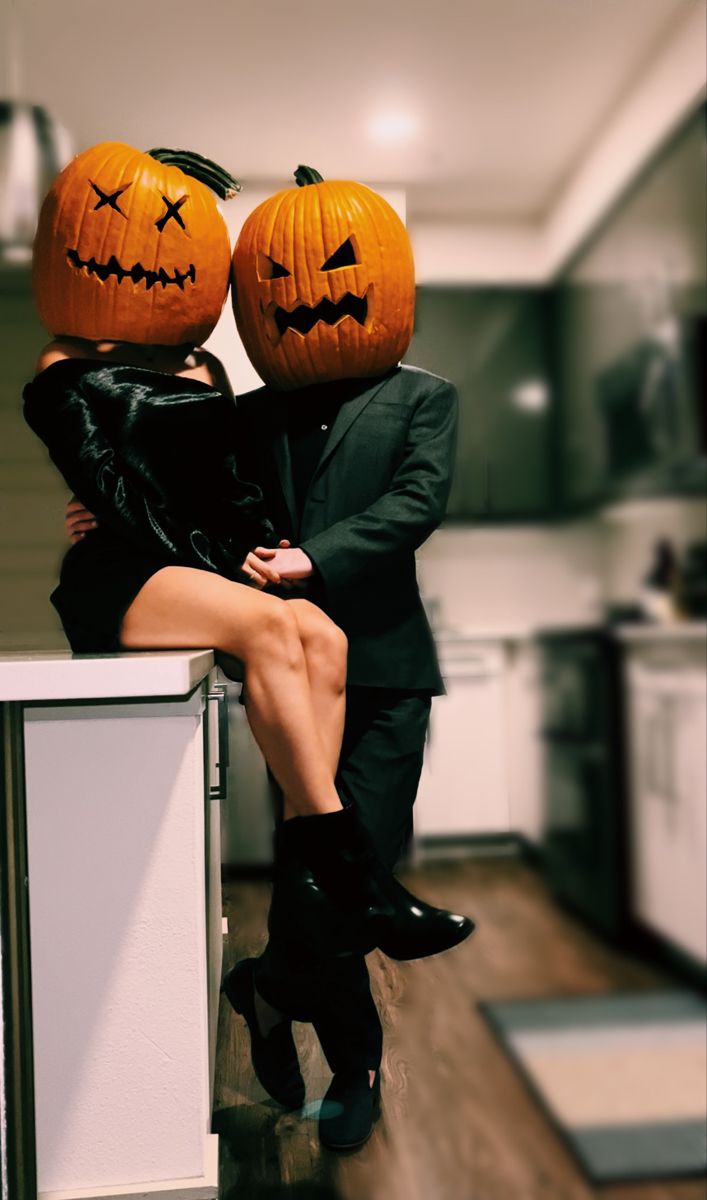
column 379, row 490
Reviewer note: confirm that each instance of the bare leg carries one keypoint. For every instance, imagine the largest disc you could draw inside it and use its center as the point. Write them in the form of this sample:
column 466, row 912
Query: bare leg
column 183, row 607
column 324, row 648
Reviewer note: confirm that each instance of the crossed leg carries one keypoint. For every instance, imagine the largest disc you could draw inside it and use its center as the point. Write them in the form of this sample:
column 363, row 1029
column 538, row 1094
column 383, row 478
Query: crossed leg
column 295, row 669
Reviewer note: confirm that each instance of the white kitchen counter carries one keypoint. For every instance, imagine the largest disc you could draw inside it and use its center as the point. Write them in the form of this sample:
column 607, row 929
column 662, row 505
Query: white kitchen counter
column 60, row 675
column 482, row 633
column 680, row 631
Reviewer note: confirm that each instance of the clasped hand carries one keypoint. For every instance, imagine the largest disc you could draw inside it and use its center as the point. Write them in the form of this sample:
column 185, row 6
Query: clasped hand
column 287, row 565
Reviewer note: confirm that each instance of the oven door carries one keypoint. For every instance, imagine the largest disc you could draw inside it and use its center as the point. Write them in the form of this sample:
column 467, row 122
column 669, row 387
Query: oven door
column 582, row 855
column 573, row 690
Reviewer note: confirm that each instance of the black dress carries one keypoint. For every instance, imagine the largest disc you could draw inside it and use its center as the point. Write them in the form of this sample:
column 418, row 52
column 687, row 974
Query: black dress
column 153, row 456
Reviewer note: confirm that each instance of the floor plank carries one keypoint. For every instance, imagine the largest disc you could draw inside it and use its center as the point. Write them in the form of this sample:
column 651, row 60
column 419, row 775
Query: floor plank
column 458, row 1122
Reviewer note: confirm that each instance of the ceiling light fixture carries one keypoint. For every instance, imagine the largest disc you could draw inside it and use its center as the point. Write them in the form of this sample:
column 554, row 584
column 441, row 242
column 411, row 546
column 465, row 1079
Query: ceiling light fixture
column 392, row 127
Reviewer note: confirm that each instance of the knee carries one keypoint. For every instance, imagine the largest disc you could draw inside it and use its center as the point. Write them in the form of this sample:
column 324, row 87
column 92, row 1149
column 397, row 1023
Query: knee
column 276, row 638
column 326, row 648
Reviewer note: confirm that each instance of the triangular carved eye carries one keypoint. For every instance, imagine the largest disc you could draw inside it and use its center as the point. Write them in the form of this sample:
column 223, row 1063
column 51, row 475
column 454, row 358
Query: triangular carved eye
column 269, row 268
column 345, row 256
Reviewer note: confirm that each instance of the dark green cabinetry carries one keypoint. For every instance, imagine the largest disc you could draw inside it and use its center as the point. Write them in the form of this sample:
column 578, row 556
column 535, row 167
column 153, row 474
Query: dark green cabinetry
column 494, row 346
column 628, row 327
column 593, row 389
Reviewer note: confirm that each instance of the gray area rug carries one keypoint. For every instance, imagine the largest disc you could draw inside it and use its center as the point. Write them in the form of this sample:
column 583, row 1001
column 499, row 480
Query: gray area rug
column 623, row 1077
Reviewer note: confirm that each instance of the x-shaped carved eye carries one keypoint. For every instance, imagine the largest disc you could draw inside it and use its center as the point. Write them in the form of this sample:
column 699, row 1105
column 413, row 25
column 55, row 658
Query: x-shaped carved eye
column 173, row 207
column 110, row 198
column 345, row 256
column 269, row 268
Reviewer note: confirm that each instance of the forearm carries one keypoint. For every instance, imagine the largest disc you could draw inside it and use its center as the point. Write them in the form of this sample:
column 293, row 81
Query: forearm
column 358, row 546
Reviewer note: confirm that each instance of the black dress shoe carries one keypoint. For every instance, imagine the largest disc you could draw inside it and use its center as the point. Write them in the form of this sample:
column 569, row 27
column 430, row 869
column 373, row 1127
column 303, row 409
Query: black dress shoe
column 274, row 1056
column 371, row 907
column 349, row 1110
column 416, row 929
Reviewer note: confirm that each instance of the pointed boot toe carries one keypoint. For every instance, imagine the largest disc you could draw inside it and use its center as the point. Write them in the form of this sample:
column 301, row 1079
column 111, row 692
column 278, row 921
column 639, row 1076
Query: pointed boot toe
column 370, row 906
column 419, row 931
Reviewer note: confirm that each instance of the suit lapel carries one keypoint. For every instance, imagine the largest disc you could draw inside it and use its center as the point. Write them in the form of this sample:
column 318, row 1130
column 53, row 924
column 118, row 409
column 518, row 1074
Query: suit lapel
column 345, row 418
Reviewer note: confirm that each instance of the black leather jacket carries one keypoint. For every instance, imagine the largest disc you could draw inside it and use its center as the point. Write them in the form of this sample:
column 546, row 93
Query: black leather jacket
column 153, row 456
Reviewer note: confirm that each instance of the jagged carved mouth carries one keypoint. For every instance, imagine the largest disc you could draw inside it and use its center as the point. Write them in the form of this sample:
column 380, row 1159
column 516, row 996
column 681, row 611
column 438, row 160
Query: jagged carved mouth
column 303, row 318
column 137, row 272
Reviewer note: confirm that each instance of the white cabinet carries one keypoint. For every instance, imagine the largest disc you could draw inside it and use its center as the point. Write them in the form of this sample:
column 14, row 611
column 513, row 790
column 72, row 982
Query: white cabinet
column 122, row 800
column 668, row 781
column 464, row 784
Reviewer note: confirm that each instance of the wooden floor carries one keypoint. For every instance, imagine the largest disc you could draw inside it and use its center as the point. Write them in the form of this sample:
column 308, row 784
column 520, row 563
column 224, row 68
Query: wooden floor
column 458, row 1122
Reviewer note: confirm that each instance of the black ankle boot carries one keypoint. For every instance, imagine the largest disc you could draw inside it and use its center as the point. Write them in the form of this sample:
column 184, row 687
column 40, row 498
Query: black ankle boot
column 330, row 856
column 274, row 1055
column 349, row 1110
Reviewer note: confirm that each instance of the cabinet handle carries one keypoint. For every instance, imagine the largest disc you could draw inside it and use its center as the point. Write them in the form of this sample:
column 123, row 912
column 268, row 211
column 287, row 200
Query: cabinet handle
column 218, row 698
column 650, row 773
column 659, row 770
column 670, row 793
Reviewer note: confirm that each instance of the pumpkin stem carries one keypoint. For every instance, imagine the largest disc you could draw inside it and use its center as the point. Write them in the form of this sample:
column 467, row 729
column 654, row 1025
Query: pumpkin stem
column 203, row 169
column 306, row 175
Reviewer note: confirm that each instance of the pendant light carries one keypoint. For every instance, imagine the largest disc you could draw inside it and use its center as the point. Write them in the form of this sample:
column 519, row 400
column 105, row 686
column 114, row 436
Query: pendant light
column 33, row 149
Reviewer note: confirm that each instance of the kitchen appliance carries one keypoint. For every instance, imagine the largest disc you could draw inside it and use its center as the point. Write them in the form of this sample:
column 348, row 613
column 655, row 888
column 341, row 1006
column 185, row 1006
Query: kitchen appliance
column 584, row 840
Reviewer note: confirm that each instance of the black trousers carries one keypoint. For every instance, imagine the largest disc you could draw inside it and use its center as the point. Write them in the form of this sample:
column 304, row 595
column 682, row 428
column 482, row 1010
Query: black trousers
column 379, row 772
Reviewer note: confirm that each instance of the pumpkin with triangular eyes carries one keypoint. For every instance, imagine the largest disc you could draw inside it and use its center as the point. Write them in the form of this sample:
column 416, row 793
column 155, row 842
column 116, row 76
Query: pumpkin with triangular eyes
column 132, row 246
column 323, row 284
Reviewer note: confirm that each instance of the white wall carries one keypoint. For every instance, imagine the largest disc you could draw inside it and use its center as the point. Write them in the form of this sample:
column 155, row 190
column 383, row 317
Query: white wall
column 513, row 577
column 530, row 577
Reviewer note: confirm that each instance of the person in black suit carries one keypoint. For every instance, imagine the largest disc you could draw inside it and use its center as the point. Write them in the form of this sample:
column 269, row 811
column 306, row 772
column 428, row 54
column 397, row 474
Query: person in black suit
column 357, row 476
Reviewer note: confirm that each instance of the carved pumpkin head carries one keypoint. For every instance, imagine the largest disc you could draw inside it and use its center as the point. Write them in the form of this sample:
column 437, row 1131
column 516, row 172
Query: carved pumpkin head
column 132, row 247
column 323, row 284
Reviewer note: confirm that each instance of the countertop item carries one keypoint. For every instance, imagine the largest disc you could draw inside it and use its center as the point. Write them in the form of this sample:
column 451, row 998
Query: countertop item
column 637, row 631
column 61, row 675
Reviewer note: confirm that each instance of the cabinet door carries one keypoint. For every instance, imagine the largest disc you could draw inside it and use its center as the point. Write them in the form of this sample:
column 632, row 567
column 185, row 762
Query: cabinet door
column 668, row 812
column 464, row 787
column 492, row 344
column 689, row 787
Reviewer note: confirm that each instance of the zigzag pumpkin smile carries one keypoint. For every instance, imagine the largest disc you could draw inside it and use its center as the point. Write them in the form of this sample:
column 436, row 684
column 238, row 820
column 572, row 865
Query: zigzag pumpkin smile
column 137, row 272
column 304, row 317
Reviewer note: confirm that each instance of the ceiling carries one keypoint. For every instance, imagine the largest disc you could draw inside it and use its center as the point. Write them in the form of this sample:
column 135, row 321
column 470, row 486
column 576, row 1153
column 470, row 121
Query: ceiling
column 506, row 96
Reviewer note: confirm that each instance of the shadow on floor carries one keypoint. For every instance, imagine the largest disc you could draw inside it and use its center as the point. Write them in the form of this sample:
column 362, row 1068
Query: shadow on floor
column 259, row 1145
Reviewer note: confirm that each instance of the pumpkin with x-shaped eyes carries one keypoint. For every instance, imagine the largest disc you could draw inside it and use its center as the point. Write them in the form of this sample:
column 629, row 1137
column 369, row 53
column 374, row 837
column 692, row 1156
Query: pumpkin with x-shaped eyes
column 323, row 284
column 132, row 247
